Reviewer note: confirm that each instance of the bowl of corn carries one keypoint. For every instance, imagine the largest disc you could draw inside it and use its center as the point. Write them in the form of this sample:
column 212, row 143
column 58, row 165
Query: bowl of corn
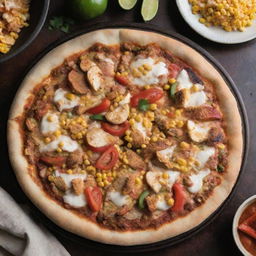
column 20, row 23
column 222, row 21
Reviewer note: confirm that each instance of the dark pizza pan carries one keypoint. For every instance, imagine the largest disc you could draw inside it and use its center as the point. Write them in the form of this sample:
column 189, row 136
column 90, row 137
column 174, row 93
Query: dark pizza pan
column 177, row 239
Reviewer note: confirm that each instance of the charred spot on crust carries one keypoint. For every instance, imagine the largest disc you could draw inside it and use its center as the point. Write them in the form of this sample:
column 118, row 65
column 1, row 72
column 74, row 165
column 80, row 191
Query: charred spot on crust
column 193, row 76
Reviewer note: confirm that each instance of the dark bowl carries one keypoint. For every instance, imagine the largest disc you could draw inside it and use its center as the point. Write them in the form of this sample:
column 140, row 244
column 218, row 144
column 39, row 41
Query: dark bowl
column 38, row 11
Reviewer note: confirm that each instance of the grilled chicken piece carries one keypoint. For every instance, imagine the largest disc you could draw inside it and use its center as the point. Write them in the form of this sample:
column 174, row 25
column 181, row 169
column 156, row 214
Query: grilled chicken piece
column 77, row 82
column 86, row 64
column 118, row 115
column 78, row 186
column 95, row 78
column 135, row 161
column 203, row 113
column 96, row 137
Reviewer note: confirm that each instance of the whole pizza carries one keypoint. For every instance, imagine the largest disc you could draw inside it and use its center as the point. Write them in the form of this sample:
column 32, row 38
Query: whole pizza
column 125, row 137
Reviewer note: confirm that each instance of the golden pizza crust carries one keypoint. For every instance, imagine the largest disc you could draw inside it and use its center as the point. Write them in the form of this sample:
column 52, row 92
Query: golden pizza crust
column 80, row 226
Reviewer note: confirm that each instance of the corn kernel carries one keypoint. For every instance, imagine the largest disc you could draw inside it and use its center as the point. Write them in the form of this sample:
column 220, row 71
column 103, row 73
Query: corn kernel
column 194, row 88
column 99, row 175
column 47, row 140
column 147, row 87
column 184, row 145
column 70, row 96
column 147, row 67
column 101, row 184
column 132, row 121
column 138, row 151
column 165, row 175
column 129, row 145
column 143, row 145
column 178, row 112
column 86, row 162
column 167, row 87
column 138, row 118
column 138, row 181
column 180, row 123
column 154, row 139
column 221, row 146
column 170, row 202
column 59, row 150
column 106, row 183
column 128, row 132
column 153, row 106
column 57, row 133
column 69, row 171
column 50, row 178
column 182, row 161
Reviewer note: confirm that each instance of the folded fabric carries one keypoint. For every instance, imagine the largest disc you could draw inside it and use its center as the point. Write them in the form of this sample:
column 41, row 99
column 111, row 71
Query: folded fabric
column 21, row 236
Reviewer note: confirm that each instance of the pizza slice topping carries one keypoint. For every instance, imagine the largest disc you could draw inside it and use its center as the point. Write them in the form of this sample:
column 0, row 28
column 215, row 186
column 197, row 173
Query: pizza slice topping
column 129, row 136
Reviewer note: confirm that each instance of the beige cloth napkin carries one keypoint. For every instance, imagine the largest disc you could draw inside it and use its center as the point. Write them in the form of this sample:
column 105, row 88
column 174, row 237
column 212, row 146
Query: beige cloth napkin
column 21, row 236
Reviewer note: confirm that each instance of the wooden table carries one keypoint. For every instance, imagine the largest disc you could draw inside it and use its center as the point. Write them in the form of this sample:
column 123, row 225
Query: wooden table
column 238, row 60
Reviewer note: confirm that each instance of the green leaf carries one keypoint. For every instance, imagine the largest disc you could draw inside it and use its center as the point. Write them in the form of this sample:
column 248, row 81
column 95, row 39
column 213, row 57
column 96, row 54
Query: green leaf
column 97, row 117
column 143, row 105
column 220, row 168
column 60, row 23
column 173, row 89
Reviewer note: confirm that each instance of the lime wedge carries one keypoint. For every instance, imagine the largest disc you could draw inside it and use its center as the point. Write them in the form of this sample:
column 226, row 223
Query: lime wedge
column 127, row 4
column 149, row 9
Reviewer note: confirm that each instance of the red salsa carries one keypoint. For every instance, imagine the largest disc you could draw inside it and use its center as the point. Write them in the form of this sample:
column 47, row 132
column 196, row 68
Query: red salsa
column 247, row 228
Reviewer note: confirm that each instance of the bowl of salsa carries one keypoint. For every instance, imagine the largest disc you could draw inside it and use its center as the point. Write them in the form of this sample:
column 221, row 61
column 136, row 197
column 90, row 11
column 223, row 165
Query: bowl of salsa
column 244, row 227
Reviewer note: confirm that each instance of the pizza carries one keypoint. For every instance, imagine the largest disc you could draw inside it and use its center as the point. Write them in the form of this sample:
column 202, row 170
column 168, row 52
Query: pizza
column 125, row 137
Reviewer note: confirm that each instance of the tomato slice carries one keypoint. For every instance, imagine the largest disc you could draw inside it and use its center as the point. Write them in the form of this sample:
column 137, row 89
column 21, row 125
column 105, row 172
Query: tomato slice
column 108, row 159
column 94, row 198
column 116, row 130
column 103, row 106
column 152, row 95
column 99, row 149
column 179, row 197
column 124, row 80
column 174, row 70
column 53, row 160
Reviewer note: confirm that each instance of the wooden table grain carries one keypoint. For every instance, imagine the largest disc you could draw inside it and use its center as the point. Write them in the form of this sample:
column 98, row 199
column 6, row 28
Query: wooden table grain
column 239, row 61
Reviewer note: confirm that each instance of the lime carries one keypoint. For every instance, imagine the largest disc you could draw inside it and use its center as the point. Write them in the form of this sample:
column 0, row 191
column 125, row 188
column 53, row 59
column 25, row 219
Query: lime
column 88, row 9
column 149, row 9
column 127, row 4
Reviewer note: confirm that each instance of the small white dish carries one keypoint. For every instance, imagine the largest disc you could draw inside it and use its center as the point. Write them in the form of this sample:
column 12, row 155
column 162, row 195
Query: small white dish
column 237, row 216
column 215, row 34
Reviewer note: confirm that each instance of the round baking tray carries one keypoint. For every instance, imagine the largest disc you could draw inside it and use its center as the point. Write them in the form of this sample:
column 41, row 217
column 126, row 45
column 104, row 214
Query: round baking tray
column 177, row 239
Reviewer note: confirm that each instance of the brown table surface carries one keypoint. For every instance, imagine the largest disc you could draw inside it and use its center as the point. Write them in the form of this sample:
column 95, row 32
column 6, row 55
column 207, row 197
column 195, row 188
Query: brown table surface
column 240, row 62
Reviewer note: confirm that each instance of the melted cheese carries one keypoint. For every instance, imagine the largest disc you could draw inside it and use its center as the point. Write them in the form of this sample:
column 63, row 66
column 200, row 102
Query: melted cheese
column 198, row 132
column 167, row 153
column 196, row 99
column 197, row 180
column 203, row 155
column 139, row 126
column 126, row 99
column 184, row 81
column 173, row 176
column 162, row 205
column 152, row 76
column 74, row 200
column 47, row 126
column 108, row 60
column 69, row 145
column 69, row 177
column 63, row 102
column 117, row 198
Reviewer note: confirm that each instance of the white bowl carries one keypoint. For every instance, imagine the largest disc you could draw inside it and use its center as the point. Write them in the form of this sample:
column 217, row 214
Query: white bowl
column 237, row 216
column 215, row 34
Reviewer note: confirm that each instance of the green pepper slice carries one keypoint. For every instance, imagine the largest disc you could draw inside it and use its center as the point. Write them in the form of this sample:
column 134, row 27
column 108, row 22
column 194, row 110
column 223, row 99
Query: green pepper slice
column 142, row 197
column 173, row 89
